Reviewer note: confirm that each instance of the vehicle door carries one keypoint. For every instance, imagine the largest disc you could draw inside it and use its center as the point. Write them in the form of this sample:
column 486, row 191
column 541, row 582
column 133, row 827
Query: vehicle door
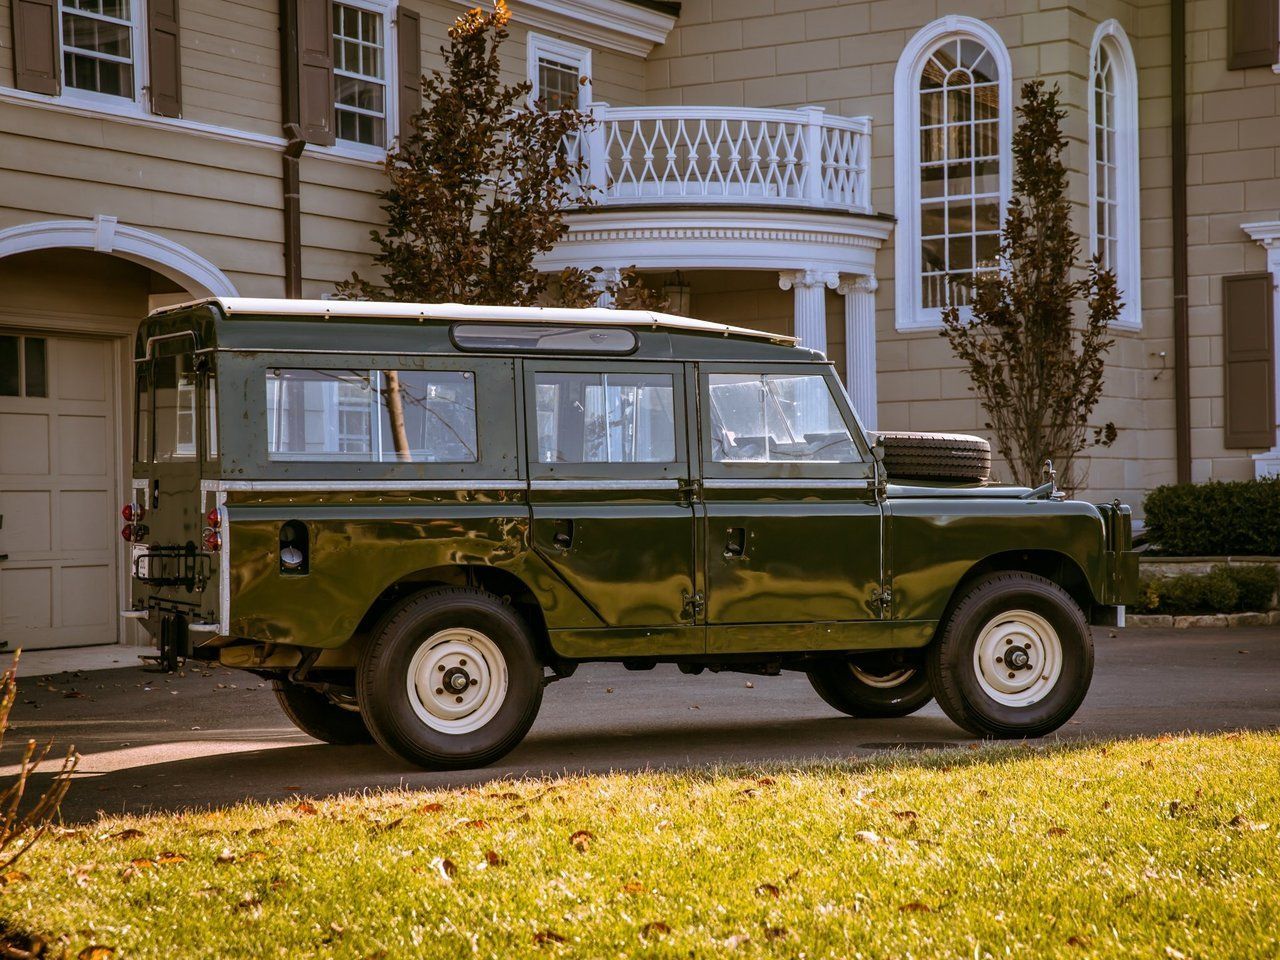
column 792, row 514
column 611, row 513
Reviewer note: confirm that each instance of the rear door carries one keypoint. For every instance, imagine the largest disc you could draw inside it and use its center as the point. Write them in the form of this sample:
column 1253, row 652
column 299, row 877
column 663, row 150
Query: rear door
column 793, row 520
column 611, row 514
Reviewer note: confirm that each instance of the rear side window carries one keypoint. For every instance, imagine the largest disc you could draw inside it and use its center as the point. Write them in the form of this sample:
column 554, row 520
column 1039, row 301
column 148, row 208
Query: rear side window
column 776, row 418
column 363, row 416
column 605, row 418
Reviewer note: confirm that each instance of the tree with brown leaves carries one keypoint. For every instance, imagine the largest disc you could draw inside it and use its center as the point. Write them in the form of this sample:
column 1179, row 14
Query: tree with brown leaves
column 1038, row 372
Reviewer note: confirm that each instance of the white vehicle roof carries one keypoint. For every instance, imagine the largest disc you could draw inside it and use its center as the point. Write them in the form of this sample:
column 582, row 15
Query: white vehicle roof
column 594, row 316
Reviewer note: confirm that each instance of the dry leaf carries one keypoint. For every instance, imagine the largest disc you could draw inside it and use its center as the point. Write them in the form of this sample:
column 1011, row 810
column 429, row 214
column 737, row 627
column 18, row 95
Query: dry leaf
column 305, row 807
column 582, row 840
column 477, row 824
column 445, row 868
column 776, row 933
column 226, row 856
column 908, row 815
column 432, row 807
column 1078, row 940
column 1056, row 832
column 547, row 936
column 766, row 781
column 655, row 929
column 13, row 876
column 1240, row 822
column 391, row 825
column 255, row 855
column 768, row 890
column 170, row 857
column 250, row 903
column 492, row 859
column 633, row 886
column 143, row 863
column 129, row 834
column 96, row 952
column 915, row 906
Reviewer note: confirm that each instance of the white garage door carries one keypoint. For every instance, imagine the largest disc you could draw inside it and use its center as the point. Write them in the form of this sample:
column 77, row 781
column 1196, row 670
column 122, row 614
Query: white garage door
column 57, row 491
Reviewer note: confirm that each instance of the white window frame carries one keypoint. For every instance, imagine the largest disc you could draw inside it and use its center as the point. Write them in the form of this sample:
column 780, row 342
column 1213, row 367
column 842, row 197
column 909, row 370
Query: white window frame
column 569, row 54
column 910, row 313
column 386, row 9
column 141, row 74
column 1128, row 266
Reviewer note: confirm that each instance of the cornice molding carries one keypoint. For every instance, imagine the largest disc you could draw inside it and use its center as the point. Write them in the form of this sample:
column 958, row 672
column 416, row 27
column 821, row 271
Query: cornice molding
column 610, row 24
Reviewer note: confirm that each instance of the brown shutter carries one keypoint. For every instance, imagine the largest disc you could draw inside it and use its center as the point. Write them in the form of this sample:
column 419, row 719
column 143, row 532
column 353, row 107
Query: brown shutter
column 35, row 46
column 165, row 49
column 1253, row 33
column 315, row 70
column 1249, row 353
column 409, row 51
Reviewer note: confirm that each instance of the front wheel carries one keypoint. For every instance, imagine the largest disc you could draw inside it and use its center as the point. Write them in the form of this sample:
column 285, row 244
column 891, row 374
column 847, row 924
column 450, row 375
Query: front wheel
column 876, row 685
column 1015, row 658
column 450, row 679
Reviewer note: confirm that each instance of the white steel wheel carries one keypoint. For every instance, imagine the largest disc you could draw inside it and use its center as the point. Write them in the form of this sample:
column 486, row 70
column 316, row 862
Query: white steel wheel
column 883, row 681
column 1018, row 657
column 457, row 680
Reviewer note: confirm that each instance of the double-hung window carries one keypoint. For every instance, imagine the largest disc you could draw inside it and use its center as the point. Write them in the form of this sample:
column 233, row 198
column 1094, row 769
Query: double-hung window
column 360, row 70
column 99, row 47
column 559, row 72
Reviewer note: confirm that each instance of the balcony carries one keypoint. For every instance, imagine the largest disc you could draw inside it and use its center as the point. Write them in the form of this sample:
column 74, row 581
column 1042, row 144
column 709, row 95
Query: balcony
column 728, row 156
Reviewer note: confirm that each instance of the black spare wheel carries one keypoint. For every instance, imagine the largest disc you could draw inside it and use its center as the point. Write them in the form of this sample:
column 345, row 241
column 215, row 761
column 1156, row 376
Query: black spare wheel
column 955, row 457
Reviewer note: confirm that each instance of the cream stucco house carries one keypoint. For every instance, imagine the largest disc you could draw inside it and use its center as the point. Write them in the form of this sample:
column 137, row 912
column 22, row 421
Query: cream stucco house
column 811, row 166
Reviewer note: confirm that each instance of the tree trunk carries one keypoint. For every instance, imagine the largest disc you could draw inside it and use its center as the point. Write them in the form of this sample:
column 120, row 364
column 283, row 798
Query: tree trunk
column 395, row 413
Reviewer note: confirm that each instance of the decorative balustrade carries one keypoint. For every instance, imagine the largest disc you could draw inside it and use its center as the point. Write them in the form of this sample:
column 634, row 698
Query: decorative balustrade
column 727, row 155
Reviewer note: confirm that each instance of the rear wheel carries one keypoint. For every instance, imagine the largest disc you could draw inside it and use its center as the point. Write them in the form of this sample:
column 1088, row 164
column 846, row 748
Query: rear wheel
column 318, row 716
column 450, row 679
column 1015, row 658
column 883, row 685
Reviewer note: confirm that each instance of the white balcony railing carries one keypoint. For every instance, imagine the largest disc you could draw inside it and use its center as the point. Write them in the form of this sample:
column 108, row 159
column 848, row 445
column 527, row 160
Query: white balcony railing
column 728, row 155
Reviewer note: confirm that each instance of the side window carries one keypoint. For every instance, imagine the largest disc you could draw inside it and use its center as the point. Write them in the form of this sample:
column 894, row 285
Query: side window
column 142, row 414
column 776, row 418
column 211, row 414
column 175, row 408
column 409, row 416
column 605, row 418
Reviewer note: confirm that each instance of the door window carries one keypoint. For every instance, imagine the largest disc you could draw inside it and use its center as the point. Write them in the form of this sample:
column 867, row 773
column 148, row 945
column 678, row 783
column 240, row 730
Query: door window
column 605, row 417
column 776, row 418
column 175, row 407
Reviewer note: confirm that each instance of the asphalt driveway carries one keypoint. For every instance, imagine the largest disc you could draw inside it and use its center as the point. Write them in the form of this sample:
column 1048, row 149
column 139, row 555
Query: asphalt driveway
column 212, row 736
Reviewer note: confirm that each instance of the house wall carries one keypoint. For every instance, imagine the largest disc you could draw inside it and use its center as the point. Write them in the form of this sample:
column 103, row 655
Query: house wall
column 842, row 56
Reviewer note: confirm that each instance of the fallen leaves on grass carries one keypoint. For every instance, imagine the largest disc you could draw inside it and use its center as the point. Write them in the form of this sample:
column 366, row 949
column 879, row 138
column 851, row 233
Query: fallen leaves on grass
column 581, row 840
column 445, row 868
column 543, row 937
column 128, row 834
column 13, row 876
column 1056, row 832
column 1244, row 824
column 632, row 887
column 654, row 929
column 432, row 807
column 96, row 952
column 305, row 807
column 169, row 856
column 907, row 816
column 492, row 859
column 915, row 906
column 768, row 890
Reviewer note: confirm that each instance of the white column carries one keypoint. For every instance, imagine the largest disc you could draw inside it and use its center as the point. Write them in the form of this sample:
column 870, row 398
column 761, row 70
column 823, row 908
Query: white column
column 859, row 294
column 1268, row 234
column 811, row 304
column 606, row 277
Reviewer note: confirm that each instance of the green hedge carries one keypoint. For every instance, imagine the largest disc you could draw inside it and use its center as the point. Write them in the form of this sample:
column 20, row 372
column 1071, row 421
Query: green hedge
column 1215, row 519
column 1222, row 590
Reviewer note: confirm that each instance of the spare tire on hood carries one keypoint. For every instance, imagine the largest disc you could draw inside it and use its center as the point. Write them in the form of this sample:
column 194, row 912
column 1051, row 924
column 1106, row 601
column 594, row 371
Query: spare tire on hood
column 950, row 457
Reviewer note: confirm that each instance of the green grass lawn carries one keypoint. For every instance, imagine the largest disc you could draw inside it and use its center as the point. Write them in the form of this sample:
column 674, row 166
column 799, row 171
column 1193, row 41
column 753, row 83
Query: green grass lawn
column 1164, row 849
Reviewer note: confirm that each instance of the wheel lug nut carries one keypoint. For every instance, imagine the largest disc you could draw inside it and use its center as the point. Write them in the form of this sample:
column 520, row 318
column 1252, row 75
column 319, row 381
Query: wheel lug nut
column 999, row 659
column 462, row 663
column 439, row 691
column 441, row 668
column 1011, row 675
column 459, row 699
column 474, row 682
column 1007, row 641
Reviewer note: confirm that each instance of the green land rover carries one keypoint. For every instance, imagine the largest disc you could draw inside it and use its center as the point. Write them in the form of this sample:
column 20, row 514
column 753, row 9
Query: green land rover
column 412, row 518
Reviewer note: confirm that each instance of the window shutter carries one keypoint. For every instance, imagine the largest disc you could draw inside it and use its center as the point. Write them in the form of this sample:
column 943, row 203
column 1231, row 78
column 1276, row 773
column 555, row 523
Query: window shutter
column 35, row 46
column 409, row 52
column 315, row 71
column 1253, row 33
column 165, row 51
column 1250, row 374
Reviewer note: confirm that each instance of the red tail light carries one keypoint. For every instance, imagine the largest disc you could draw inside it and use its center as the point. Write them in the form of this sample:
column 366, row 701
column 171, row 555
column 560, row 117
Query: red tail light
column 212, row 540
column 132, row 512
column 127, row 533
column 213, row 518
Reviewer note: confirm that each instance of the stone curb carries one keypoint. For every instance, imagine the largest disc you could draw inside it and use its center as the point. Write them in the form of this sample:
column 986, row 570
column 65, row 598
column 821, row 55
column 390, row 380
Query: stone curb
column 1219, row 620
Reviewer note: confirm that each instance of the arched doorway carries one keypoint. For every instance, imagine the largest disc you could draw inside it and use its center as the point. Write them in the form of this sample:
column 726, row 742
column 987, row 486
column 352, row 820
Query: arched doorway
column 71, row 296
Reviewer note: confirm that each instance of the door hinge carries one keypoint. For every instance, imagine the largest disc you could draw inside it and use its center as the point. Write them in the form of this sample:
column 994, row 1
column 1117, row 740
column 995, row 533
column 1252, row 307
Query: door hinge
column 883, row 598
column 687, row 491
column 694, row 605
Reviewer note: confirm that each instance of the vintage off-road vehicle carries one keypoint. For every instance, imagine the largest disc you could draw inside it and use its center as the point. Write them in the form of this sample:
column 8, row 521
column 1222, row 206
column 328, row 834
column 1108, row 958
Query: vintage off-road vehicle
column 412, row 518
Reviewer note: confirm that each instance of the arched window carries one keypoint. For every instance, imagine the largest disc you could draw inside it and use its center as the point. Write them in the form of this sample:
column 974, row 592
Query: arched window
column 1113, row 168
column 951, row 162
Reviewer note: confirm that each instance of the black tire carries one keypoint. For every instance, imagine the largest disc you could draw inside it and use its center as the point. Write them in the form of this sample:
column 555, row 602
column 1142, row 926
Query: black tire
column 872, row 686
column 955, row 457
column 406, row 730
column 317, row 716
column 1000, row 603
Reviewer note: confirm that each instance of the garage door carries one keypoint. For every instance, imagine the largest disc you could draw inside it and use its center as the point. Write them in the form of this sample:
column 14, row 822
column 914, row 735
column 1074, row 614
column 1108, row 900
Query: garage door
column 57, row 491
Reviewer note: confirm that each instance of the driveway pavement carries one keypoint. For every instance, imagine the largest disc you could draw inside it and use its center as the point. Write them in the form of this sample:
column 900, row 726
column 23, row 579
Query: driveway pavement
column 214, row 736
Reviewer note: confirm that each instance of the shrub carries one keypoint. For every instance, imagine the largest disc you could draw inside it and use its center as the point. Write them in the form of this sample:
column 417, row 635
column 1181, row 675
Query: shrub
column 1223, row 590
column 1215, row 519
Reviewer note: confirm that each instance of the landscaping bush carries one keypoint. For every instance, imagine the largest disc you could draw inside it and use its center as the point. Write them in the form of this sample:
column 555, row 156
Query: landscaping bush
column 1215, row 519
column 1223, row 590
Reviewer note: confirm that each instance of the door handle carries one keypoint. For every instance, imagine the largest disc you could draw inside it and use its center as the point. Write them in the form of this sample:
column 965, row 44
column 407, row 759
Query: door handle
column 735, row 544
column 563, row 535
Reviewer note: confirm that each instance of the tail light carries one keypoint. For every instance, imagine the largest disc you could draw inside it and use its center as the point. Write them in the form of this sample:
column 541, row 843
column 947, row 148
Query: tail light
column 134, row 531
column 133, row 512
column 212, row 538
